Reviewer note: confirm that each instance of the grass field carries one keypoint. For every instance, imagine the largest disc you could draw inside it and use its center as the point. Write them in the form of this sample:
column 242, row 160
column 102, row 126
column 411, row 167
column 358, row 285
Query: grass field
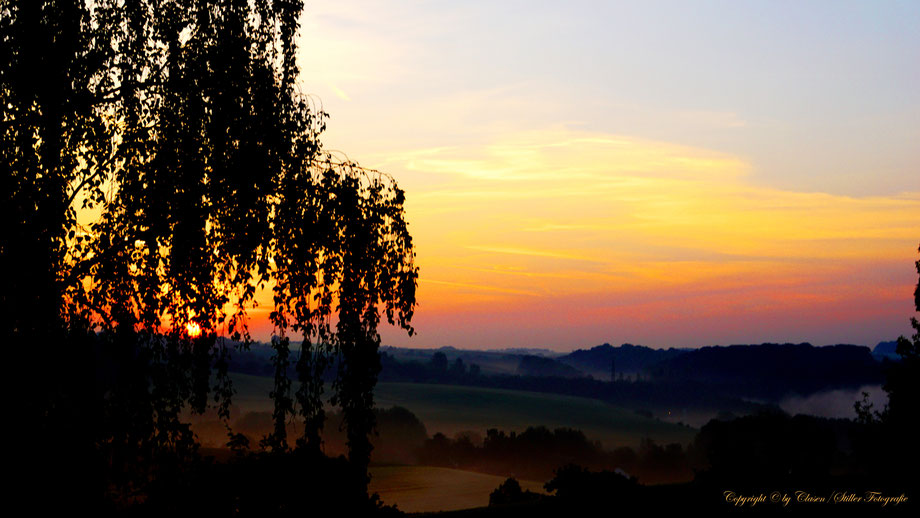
column 417, row 489
column 450, row 409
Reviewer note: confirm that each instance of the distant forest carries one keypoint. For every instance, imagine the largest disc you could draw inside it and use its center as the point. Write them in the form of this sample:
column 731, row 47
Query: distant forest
column 711, row 378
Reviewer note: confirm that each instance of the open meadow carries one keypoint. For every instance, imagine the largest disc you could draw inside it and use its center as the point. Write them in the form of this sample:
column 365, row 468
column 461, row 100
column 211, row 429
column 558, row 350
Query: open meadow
column 450, row 409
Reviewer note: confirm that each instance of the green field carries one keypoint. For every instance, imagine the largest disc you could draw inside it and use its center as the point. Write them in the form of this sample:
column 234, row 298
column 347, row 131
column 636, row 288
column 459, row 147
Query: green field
column 450, row 409
column 417, row 489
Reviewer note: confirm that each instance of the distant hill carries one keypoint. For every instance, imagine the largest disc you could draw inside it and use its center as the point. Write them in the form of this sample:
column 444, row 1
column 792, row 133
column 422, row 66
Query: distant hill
column 765, row 372
column 528, row 351
column 886, row 351
column 771, row 371
column 503, row 361
column 539, row 366
column 627, row 358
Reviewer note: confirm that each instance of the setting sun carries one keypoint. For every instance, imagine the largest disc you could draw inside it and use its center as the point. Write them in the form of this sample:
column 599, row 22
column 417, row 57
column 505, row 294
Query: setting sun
column 193, row 329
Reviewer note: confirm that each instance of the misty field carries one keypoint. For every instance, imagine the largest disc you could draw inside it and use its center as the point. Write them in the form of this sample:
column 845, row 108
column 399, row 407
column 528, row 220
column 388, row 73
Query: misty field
column 426, row 489
column 450, row 409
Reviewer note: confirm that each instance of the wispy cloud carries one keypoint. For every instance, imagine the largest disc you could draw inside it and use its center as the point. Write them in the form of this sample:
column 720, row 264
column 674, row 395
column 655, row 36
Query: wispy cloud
column 533, row 253
column 339, row 92
column 607, row 221
column 543, row 180
column 479, row 287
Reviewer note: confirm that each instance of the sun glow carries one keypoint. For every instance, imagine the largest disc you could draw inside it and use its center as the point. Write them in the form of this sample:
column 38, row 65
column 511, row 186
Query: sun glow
column 193, row 330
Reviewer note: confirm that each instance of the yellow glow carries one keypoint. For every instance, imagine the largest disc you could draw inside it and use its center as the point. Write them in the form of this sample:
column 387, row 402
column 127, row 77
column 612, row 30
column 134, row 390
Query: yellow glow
column 339, row 93
column 568, row 228
column 193, row 329
column 608, row 226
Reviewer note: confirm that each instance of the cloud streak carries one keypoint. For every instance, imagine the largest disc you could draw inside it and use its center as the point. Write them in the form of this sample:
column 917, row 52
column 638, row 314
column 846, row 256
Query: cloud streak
column 591, row 218
column 605, row 193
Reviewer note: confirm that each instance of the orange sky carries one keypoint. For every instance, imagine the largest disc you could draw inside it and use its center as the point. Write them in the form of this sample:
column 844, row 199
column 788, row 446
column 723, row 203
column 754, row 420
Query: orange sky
column 660, row 173
column 564, row 238
column 654, row 173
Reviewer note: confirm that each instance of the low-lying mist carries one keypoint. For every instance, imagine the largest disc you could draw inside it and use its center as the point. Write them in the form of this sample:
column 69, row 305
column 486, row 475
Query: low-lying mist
column 836, row 403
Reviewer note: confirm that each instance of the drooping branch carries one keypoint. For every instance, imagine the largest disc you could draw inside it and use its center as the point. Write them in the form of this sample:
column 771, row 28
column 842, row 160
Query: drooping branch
column 188, row 113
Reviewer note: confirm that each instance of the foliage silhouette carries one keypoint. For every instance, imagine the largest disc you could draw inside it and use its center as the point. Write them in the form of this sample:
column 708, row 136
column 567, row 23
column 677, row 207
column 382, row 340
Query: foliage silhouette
column 439, row 362
column 162, row 167
column 903, row 381
column 768, row 448
column 510, row 492
column 891, row 432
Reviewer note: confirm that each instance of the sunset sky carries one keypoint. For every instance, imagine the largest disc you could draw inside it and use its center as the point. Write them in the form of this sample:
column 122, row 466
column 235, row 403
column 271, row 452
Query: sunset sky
column 660, row 173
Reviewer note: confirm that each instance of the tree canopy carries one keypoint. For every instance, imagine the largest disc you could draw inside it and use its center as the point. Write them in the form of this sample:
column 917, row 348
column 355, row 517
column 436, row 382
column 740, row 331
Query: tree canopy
column 903, row 383
column 162, row 166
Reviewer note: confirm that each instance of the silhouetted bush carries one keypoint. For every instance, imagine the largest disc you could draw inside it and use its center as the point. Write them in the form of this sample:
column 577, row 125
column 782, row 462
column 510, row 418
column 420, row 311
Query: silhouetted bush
column 576, row 484
column 510, row 492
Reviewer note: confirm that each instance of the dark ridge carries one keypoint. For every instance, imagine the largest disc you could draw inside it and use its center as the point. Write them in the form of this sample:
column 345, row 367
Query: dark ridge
column 626, row 358
column 771, row 371
column 539, row 366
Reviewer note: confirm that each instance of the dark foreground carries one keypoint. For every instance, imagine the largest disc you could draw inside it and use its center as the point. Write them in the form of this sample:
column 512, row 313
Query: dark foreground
column 624, row 499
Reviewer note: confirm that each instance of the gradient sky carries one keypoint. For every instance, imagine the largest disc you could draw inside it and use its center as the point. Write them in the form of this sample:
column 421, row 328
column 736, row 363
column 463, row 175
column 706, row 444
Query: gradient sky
column 663, row 173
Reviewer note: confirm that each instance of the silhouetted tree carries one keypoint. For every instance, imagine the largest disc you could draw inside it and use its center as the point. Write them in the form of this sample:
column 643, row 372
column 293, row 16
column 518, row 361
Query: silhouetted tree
column 458, row 368
column 767, row 448
column 510, row 492
column 576, row 484
column 890, row 434
column 400, row 435
column 51, row 135
column 903, row 381
column 439, row 362
column 178, row 124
